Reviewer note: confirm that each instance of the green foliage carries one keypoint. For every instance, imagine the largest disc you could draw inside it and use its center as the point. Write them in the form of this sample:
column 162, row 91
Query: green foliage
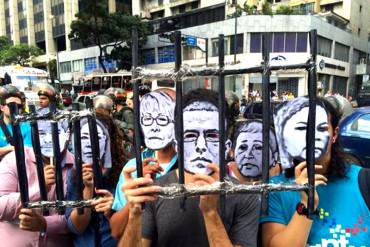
column 5, row 43
column 266, row 8
column 111, row 32
column 19, row 54
column 285, row 10
column 250, row 10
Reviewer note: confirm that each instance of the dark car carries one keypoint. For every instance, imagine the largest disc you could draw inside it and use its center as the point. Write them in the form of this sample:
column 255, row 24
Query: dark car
column 354, row 134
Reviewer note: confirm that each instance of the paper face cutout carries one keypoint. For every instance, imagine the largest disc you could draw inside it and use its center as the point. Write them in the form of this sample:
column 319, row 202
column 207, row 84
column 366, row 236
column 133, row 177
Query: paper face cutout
column 157, row 120
column 248, row 148
column 46, row 141
column 86, row 151
column 291, row 124
column 201, row 137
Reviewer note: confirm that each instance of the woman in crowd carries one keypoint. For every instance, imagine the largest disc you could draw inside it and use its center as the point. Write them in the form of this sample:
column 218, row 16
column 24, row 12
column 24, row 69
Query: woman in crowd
column 19, row 226
column 247, row 152
column 339, row 221
column 85, row 226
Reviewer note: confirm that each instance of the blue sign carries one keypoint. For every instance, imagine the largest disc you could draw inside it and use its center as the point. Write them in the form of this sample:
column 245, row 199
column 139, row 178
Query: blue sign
column 191, row 41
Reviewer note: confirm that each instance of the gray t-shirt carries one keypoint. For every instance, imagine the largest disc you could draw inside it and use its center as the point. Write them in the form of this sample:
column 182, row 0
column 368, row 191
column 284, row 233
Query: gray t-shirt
column 166, row 224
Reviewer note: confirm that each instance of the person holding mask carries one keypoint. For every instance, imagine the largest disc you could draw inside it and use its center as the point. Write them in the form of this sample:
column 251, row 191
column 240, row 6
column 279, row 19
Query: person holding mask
column 84, row 226
column 342, row 187
column 157, row 111
column 28, row 227
column 162, row 223
column 10, row 94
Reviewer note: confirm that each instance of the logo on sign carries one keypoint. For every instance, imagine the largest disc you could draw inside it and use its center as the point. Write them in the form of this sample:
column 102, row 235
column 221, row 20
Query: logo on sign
column 191, row 41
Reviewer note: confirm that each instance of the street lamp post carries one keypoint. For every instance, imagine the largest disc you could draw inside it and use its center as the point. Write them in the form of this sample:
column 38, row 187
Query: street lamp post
column 236, row 28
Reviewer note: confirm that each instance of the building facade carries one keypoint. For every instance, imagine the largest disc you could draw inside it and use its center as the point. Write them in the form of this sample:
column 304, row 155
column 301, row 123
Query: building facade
column 45, row 23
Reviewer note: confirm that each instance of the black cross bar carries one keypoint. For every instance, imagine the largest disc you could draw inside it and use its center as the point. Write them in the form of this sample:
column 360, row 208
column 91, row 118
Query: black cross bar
column 38, row 157
column 266, row 116
column 19, row 156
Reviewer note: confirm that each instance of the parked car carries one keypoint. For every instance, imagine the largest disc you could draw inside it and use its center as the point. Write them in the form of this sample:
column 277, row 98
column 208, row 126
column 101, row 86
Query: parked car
column 81, row 100
column 354, row 134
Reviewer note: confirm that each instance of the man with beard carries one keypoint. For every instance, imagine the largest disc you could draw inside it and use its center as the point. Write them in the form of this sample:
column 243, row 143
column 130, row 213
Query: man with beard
column 199, row 223
column 157, row 111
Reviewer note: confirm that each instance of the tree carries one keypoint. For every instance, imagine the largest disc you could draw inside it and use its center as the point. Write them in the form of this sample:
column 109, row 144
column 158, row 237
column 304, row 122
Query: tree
column 266, row 8
column 250, row 10
column 5, row 43
column 285, row 10
column 111, row 32
column 19, row 54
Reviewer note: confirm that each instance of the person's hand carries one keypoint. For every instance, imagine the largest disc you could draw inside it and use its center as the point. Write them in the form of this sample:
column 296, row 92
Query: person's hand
column 301, row 177
column 208, row 203
column 30, row 220
column 88, row 175
column 104, row 203
column 49, row 173
column 150, row 168
column 138, row 190
column 9, row 148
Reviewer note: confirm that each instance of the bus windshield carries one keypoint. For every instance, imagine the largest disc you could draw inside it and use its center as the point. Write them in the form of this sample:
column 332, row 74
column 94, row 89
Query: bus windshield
column 28, row 83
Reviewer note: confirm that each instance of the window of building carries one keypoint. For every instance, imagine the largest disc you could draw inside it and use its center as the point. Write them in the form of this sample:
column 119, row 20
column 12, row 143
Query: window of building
column 278, row 44
column 341, row 52
column 324, row 46
column 301, row 42
column 78, row 65
column 215, row 46
column 255, row 44
column 195, row 5
column 239, row 43
column 182, row 8
column 157, row 14
column 90, row 65
column 360, row 8
column 65, row 67
column 149, row 56
column 166, row 54
column 290, row 41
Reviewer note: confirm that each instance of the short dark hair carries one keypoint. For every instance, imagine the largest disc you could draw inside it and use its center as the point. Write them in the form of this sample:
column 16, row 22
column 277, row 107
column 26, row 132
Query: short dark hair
column 205, row 95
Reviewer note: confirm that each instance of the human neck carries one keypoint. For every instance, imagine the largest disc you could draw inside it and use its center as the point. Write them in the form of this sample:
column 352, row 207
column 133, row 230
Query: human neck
column 119, row 107
column 166, row 154
column 325, row 163
column 6, row 119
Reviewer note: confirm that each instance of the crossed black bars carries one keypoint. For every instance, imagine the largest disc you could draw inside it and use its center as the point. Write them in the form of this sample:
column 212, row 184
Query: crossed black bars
column 53, row 116
column 265, row 69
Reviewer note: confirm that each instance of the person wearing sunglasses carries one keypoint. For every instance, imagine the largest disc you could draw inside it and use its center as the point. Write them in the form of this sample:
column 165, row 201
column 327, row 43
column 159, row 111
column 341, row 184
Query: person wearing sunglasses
column 10, row 94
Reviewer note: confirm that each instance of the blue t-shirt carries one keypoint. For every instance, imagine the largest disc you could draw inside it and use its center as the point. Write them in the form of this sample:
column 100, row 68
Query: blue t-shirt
column 26, row 134
column 344, row 218
column 119, row 198
column 87, row 238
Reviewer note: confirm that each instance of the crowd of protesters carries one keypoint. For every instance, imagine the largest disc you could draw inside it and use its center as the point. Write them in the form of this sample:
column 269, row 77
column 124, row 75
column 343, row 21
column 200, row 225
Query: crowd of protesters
column 126, row 211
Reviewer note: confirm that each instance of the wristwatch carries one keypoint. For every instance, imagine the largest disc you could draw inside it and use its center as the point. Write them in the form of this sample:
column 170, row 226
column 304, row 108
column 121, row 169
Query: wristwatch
column 301, row 209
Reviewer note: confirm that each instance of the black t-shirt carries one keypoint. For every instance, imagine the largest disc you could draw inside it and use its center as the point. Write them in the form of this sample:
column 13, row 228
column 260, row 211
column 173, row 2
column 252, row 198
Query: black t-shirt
column 166, row 224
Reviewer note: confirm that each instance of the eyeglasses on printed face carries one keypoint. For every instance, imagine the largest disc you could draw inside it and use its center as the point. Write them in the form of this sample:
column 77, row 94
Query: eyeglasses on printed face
column 161, row 120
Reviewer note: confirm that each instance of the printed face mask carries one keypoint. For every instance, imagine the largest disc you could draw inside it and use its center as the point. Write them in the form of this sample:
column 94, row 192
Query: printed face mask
column 248, row 149
column 157, row 120
column 46, row 140
column 201, row 137
column 292, row 134
column 86, row 144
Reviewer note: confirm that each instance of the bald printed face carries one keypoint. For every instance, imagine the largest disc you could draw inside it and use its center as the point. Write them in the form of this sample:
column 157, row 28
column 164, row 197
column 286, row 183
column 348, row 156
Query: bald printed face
column 201, row 137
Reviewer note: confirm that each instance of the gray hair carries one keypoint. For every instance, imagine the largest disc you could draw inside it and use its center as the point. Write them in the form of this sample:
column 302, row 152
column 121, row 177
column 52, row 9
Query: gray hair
column 256, row 126
column 158, row 101
column 103, row 102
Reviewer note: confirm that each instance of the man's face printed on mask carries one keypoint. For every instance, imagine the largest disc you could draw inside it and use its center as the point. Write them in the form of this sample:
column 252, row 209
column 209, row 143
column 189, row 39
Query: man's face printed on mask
column 46, row 140
column 248, row 149
column 86, row 144
column 292, row 134
column 201, row 137
column 157, row 120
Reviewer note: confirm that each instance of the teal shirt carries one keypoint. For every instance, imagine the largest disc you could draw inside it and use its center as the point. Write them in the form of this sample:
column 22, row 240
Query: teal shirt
column 119, row 198
column 343, row 220
column 26, row 134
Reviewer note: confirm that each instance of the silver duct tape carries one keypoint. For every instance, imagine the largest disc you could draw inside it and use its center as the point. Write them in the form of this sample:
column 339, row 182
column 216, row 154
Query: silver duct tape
column 59, row 115
column 60, row 204
column 176, row 190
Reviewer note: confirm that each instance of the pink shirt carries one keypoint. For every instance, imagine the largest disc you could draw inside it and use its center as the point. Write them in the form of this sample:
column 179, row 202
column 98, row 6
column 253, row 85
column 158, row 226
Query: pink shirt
column 10, row 204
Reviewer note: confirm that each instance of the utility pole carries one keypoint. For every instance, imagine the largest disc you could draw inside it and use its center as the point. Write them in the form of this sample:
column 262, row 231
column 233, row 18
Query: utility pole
column 236, row 28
